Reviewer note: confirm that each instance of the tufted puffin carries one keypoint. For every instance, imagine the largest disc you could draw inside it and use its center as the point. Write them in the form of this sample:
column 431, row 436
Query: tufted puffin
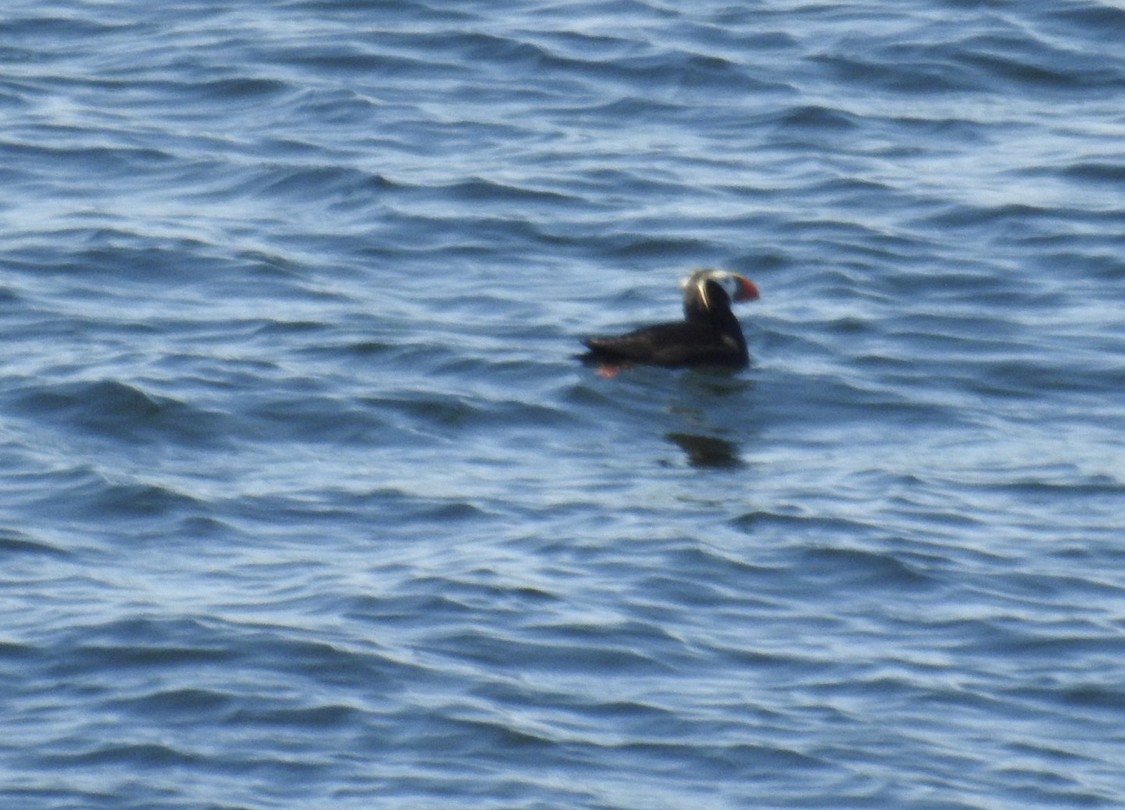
column 709, row 335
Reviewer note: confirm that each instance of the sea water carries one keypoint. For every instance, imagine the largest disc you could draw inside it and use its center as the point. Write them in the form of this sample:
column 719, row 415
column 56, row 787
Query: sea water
column 305, row 501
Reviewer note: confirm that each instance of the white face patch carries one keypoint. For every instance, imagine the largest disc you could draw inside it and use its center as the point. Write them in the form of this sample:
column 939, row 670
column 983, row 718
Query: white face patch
column 700, row 278
column 728, row 283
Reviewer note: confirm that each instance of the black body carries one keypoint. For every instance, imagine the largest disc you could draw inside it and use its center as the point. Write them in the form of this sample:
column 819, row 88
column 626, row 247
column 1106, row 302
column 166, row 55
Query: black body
column 709, row 335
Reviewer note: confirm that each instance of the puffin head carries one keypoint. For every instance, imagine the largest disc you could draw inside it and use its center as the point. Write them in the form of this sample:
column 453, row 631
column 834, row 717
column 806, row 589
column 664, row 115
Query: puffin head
column 699, row 288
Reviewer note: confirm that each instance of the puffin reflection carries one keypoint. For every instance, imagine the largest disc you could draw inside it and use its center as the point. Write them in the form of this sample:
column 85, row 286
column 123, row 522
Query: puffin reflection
column 707, row 451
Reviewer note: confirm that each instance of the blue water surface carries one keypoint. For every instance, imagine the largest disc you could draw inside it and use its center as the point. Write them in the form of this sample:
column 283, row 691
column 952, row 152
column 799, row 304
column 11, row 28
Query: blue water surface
column 305, row 501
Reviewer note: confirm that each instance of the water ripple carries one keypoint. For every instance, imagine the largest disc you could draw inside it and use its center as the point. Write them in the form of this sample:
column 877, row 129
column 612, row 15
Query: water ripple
column 305, row 500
